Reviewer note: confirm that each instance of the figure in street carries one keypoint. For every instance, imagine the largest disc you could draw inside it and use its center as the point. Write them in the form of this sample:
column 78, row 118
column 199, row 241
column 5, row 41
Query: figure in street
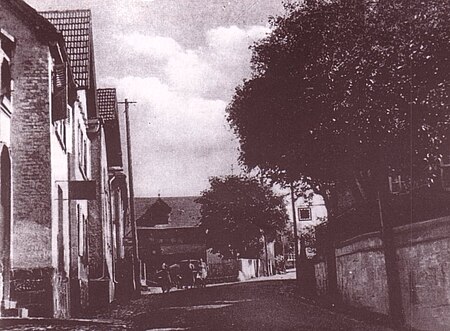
column 202, row 273
column 164, row 278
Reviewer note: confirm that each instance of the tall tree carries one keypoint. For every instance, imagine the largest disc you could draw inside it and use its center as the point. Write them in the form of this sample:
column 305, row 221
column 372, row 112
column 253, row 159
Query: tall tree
column 238, row 214
column 345, row 91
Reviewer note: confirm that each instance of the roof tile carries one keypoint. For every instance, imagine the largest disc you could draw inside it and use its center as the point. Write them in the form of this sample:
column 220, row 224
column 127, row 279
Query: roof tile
column 107, row 102
column 185, row 211
column 75, row 26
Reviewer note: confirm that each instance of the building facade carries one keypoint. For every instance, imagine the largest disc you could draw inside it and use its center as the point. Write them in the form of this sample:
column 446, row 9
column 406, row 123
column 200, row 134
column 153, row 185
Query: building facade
column 63, row 196
column 168, row 231
column 39, row 91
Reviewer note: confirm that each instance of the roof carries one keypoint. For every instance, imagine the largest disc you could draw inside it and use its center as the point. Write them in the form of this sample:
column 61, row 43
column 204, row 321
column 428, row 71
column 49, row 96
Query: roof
column 75, row 26
column 31, row 17
column 107, row 106
column 160, row 205
column 185, row 211
column 107, row 103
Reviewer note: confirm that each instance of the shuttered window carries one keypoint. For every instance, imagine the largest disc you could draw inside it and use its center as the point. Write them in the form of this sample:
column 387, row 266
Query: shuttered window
column 59, row 95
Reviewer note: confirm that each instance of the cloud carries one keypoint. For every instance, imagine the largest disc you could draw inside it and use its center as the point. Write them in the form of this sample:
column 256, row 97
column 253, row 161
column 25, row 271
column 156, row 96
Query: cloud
column 179, row 127
column 233, row 40
column 176, row 135
column 210, row 70
column 156, row 47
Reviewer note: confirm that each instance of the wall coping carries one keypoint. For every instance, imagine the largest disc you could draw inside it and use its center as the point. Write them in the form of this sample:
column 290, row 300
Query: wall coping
column 415, row 226
column 429, row 230
column 405, row 235
column 358, row 238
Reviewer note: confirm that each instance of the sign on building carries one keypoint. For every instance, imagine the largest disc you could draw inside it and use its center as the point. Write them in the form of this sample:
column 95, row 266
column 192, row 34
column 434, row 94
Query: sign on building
column 304, row 214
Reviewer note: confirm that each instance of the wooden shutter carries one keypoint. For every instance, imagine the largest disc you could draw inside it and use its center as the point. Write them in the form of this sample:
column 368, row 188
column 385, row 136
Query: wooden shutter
column 59, row 96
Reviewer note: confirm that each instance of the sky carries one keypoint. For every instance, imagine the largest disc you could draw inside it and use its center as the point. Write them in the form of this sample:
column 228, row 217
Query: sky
column 180, row 60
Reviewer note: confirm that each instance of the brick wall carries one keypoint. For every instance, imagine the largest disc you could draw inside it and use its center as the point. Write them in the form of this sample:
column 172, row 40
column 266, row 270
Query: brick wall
column 95, row 229
column 30, row 147
column 32, row 271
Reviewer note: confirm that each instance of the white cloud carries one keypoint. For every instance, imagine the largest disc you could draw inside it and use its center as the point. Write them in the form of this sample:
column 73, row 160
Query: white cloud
column 177, row 121
column 179, row 140
column 179, row 128
column 222, row 38
column 212, row 70
column 155, row 46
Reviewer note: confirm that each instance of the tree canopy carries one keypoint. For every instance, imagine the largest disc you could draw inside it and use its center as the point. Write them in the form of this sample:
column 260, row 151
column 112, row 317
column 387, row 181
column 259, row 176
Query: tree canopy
column 344, row 89
column 237, row 213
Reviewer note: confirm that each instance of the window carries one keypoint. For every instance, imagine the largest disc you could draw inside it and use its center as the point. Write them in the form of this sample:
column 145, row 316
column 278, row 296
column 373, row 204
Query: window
column 61, row 132
column 395, row 184
column 6, row 54
column 82, row 151
column 80, row 232
column 59, row 92
column 85, row 156
column 82, row 235
column 445, row 172
column 6, row 79
column 60, row 236
column 304, row 214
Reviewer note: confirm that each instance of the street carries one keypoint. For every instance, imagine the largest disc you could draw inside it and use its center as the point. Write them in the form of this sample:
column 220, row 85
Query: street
column 263, row 304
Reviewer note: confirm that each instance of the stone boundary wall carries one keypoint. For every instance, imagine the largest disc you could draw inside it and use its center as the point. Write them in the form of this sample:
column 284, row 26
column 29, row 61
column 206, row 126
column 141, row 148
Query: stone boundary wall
column 423, row 252
column 423, row 259
column 361, row 273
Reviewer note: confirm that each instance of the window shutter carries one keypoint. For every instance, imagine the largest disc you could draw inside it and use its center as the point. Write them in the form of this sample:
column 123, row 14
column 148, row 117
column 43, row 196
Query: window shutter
column 59, row 96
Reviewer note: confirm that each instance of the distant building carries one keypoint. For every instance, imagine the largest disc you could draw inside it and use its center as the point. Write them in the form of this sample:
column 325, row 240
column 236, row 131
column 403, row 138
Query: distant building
column 118, row 231
column 168, row 231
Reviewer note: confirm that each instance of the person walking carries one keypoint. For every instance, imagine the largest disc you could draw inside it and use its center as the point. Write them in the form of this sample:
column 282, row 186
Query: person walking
column 165, row 279
column 203, row 272
column 192, row 274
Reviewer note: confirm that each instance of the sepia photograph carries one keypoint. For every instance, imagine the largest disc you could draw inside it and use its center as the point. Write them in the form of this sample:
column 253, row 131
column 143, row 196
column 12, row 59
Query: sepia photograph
column 171, row 165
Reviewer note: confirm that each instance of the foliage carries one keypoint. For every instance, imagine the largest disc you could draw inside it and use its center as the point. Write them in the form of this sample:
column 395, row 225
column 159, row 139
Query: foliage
column 236, row 212
column 346, row 91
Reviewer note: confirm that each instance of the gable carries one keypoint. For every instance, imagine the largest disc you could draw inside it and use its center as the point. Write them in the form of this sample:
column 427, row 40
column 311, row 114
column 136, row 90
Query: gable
column 185, row 212
column 75, row 26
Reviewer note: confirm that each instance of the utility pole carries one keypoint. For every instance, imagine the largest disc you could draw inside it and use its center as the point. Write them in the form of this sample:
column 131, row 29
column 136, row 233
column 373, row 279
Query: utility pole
column 135, row 256
column 294, row 219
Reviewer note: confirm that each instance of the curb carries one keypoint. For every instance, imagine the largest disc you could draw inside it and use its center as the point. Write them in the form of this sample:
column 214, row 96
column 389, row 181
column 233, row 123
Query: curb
column 9, row 321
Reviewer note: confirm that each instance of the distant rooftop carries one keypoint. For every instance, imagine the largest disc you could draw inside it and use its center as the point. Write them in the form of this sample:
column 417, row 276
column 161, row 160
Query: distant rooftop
column 107, row 103
column 75, row 26
column 107, row 108
column 185, row 211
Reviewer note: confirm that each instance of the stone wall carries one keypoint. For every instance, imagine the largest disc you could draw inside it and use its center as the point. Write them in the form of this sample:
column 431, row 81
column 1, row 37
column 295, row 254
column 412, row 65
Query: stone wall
column 321, row 276
column 361, row 273
column 423, row 260
column 423, row 254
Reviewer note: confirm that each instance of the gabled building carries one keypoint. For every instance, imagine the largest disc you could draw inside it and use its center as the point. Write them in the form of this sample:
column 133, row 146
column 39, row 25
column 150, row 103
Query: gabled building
column 63, row 196
column 76, row 28
column 38, row 96
column 120, row 265
column 99, row 263
column 7, row 45
column 168, row 231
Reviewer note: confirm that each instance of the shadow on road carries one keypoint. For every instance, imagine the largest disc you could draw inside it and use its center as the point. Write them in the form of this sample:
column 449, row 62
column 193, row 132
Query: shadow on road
column 266, row 304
